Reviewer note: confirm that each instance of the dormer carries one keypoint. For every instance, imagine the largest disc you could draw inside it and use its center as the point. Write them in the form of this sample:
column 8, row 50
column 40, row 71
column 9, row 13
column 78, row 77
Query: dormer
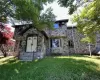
column 60, row 23
column 60, row 29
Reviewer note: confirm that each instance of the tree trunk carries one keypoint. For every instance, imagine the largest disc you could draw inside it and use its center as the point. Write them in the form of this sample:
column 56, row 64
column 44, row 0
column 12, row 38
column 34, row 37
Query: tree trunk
column 3, row 50
column 90, row 49
column 2, row 46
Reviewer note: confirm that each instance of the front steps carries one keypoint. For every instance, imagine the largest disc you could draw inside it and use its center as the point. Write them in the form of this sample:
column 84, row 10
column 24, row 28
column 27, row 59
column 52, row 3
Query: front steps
column 26, row 56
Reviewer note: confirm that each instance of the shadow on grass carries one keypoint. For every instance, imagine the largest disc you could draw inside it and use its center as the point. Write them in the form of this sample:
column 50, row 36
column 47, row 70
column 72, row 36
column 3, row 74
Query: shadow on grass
column 1, row 57
column 80, row 55
column 97, row 57
column 50, row 69
column 87, row 56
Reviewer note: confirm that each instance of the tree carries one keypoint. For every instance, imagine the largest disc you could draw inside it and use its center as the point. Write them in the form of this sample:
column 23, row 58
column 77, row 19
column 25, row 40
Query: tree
column 47, row 18
column 24, row 10
column 30, row 10
column 73, row 5
column 88, row 19
column 5, row 10
column 6, row 38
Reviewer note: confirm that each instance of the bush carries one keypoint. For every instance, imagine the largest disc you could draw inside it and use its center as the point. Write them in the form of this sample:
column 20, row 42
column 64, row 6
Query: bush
column 56, row 54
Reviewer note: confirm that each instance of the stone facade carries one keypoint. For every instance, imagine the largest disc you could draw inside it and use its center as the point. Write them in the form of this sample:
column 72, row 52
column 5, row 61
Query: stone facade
column 60, row 32
column 67, row 39
column 41, row 45
column 98, row 40
column 66, row 34
column 78, row 46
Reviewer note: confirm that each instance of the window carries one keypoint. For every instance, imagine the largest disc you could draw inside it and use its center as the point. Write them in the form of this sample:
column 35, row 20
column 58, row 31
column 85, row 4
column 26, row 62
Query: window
column 55, row 43
column 56, row 25
column 70, row 44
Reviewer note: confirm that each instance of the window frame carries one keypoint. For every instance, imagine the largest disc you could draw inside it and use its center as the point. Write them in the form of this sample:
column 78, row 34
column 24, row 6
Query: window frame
column 70, row 43
column 59, row 44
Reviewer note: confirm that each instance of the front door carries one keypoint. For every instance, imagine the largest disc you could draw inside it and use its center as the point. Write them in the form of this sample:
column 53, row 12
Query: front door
column 31, row 44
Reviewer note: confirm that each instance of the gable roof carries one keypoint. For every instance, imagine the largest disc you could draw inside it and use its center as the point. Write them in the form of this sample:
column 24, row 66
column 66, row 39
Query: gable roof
column 60, row 21
column 26, row 29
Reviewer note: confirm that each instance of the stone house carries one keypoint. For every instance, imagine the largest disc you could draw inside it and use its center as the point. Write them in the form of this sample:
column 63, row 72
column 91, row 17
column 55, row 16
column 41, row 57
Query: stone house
column 66, row 40
column 63, row 40
column 30, row 43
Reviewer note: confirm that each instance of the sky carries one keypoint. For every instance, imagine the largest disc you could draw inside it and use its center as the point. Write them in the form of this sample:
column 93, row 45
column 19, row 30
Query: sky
column 60, row 12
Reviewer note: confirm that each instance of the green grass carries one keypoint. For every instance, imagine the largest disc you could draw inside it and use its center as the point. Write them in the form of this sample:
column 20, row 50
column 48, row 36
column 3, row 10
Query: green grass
column 51, row 68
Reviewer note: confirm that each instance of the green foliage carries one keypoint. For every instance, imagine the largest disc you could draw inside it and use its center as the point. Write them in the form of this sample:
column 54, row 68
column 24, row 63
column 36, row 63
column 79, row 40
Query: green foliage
column 47, row 18
column 30, row 10
column 5, row 10
column 27, row 10
column 67, row 3
column 73, row 5
column 89, row 39
column 88, row 21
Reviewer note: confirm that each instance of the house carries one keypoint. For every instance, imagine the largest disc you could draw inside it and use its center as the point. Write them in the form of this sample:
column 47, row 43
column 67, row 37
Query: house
column 30, row 43
column 63, row 40
column 66, row 40
column 58, row 38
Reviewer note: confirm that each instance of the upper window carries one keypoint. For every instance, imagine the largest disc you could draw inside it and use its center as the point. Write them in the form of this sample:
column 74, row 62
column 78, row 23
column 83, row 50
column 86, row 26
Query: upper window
column 56, row 25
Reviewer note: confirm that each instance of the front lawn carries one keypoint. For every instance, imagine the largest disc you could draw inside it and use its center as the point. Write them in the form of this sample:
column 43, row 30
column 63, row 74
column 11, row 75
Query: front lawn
column 51, row 68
